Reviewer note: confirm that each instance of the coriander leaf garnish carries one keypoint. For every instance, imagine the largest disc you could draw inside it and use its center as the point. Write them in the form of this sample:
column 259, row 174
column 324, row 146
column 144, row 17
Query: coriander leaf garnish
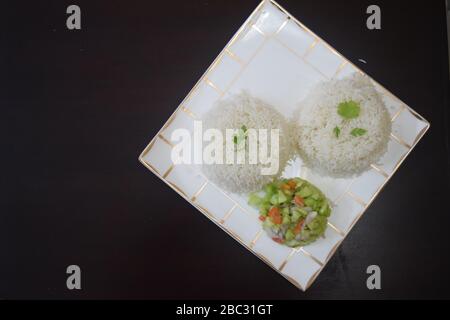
column 357, row 132
column 241, row 136
column 349, row 109
column 337, row 131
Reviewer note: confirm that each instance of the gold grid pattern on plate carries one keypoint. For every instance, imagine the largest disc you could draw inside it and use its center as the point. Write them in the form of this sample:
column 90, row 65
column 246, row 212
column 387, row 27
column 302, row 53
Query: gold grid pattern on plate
column 235, row 204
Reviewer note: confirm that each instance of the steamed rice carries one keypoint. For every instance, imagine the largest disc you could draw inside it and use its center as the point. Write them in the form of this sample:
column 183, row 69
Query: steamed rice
column 232, row 113
column 345, row 155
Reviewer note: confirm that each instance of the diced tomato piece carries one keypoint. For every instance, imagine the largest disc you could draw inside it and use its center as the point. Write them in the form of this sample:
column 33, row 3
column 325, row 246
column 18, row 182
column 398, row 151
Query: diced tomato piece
column 286, row 186
column 277, row 240
column 299, row 226
column 277, row 219
column 262, row 218
column 273, row 212
column 299, row 201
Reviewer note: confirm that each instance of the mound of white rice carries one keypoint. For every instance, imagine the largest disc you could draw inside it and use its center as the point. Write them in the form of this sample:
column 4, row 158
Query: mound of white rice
column 233, row 113
column 317, row 117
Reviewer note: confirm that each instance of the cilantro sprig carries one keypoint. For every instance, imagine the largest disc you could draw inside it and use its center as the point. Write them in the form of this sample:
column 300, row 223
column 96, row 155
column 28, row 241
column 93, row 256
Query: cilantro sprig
column 357, row 132
column 337, row 131
column 239, row 138
column 349, row 109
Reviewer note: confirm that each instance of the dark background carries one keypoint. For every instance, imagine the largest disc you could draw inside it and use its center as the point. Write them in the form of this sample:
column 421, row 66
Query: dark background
column 77, row 108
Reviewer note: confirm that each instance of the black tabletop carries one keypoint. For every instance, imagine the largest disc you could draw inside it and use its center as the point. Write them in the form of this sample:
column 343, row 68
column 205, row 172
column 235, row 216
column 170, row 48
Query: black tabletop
column 78, row 106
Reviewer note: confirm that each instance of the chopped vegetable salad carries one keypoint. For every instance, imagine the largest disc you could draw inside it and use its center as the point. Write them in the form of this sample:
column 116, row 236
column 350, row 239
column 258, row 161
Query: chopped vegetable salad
column 293, row 211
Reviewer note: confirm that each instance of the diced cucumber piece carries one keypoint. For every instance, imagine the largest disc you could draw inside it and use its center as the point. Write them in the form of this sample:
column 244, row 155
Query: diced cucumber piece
column 299, row 182
column 315, row 196
column 274, row 200
column 300, row 212
column 281, row 197
column 263, row 211
column 323, row 209
column 286, row 220
column 265, row 204
column 285, row 211
column 304, row 192
column 310, row 202
column 306, row 233
column 254, row 200
column 289, row 235
column 296, row 215
column 293, row 243
column 270, row 188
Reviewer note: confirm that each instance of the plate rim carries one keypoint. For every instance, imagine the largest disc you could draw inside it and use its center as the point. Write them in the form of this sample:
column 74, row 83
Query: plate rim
column 204, row 211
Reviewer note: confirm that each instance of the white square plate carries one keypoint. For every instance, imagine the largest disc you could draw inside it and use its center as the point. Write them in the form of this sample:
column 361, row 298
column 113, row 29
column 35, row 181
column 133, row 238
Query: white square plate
column 275, row 57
